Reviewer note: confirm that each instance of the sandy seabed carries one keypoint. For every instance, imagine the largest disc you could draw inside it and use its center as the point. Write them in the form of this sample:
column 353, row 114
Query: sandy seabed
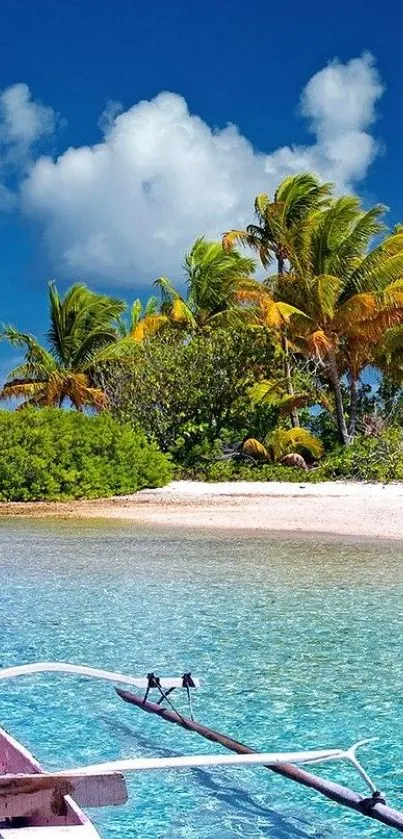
column 372, row 511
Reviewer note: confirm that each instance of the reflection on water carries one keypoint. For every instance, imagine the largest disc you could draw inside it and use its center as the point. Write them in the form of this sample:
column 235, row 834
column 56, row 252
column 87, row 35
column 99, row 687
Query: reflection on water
column 299, row 645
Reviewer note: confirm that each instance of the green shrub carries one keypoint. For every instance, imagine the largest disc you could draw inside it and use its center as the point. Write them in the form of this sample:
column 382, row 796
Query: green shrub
column 236, row 470
column 378, row 459
column 52, row 454
column 367, row 459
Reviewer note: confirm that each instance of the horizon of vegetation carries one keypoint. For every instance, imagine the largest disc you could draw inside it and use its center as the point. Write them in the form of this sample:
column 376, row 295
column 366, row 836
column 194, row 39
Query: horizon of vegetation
column 240, row 376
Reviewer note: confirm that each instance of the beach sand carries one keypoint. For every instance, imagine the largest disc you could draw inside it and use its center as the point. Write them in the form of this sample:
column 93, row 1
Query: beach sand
column 372, row 511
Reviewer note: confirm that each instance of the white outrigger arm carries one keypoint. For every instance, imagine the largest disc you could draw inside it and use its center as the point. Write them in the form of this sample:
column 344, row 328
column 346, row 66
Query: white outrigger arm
column 146, row 682
column 248, row 760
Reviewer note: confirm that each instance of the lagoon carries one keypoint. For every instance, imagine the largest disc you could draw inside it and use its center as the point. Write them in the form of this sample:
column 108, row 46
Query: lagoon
column 298, row 641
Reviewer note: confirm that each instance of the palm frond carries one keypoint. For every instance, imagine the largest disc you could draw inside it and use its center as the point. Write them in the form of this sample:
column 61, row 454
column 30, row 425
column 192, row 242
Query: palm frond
column 381, row 266
column 151, row 307
column 287, row 404
column 166, row 288
column 300, row 194
column 282, row 441
column 268, row 390
column 255, row 450
column 237, row 237
column 318, row 343
column 81, row 313
column 181, row 312
column 20, row 388
column 36, row 356
column 328, row 290
column 135, row 314
column 261, row 202
column 149, row 325
column 78, row 389
column 271, row 313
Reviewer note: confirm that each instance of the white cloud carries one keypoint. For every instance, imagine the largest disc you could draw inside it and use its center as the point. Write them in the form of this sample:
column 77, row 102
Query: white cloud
column 342, row 97
column 21, row 119
column 109, row 114
column 126, row 209
column 339, row 103
column 23, row 123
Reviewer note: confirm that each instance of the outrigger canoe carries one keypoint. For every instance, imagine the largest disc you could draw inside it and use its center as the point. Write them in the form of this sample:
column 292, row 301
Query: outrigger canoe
column 43, row 805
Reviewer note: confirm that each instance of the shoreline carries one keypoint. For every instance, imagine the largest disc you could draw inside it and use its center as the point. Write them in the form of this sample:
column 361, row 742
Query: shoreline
column 369, row 511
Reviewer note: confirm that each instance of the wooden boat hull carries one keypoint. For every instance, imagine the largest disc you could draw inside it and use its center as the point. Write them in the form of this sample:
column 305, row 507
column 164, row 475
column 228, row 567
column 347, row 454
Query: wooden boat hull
column 42, row 823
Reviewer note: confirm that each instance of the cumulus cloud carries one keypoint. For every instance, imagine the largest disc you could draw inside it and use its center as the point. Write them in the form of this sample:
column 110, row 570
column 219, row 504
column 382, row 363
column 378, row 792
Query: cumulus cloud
column 126, row 209
column 109, row 114
column 339, row 105
column 23, row 123
column 21, row 119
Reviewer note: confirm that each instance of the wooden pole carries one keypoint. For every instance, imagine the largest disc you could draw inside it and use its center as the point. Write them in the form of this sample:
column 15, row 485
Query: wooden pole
column 335, row 792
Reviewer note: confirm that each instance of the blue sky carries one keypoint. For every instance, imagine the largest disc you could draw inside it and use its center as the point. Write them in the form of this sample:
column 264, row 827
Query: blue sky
column 117, row 216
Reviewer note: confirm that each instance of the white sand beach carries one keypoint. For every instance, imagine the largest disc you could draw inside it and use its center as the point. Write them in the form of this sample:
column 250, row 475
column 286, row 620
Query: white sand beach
column 373, row 511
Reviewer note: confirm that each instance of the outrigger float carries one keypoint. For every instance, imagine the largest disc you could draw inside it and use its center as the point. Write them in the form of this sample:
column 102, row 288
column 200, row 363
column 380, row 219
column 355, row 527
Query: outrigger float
column 47, row 805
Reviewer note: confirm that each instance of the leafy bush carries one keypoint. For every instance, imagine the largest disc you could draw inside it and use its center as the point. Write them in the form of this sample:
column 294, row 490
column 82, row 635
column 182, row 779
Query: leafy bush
column 53, row 454
column 188, row 391
column 237, row 470
column 378, row 459
column 367, row 459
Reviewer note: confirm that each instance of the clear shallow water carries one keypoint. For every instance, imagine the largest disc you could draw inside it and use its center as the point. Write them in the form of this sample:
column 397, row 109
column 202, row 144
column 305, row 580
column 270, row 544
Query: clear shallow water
column 299, row 644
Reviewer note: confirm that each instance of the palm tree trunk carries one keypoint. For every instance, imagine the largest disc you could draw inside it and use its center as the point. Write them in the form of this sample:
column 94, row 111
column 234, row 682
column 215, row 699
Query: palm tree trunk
column 334, row 379
column 286, row 363
column 352, row 423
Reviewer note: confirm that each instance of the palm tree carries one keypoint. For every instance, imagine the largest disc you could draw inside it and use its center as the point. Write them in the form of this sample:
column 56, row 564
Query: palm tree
column 285, row 445
column 143, row 321
column 82, row 323
column 266, row 312
column 212, row 276
column 349, row 293
column 273, row 392
column 276, row 235
column 279, row 234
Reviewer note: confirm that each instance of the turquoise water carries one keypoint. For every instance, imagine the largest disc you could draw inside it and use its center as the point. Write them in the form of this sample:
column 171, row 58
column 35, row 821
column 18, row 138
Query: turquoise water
column 299, row 644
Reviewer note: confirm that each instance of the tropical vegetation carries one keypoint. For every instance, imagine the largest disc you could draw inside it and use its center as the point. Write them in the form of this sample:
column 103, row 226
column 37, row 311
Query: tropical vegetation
column 81, row 324
column 52, row 454
column 258, row 364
